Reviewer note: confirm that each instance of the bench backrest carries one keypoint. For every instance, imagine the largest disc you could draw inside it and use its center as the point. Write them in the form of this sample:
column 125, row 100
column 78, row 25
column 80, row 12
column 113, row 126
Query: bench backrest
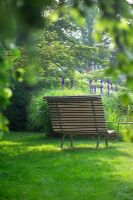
column 77, row 114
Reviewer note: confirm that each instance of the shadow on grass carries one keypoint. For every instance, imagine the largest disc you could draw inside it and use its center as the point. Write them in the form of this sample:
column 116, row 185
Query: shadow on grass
column 33, row 167
column 26, row 142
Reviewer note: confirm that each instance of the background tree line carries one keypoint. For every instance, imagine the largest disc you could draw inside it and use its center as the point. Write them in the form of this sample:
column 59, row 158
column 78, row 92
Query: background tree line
column 60, row 36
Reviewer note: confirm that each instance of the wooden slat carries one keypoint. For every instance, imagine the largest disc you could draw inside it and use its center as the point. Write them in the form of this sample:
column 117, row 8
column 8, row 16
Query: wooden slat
column 86, row 133
column 72, row 98
column 77, row 113
column 80, row 111
column 52, row 105
column 72, row 102
column 79, row 127
column 81, row 131
column 76, row 123
column 77, row 109
column 78, row 119
column 76, row 103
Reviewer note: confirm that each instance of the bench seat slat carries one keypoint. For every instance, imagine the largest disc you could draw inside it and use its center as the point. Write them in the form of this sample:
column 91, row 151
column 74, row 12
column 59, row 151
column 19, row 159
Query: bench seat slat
column 76, row 123
column 77, row 117
column 71, row 110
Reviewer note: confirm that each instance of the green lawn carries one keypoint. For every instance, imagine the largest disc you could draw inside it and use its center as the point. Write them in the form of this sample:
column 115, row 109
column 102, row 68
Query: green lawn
column 34, row 168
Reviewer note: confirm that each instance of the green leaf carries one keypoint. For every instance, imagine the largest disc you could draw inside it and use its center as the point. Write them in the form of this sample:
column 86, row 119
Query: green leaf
column 8, row 93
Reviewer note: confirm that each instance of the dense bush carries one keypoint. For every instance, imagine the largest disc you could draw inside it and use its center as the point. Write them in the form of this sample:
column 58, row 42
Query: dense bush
column 96, row 74
column 114, row 110
column 16, row 111
column 38, row 116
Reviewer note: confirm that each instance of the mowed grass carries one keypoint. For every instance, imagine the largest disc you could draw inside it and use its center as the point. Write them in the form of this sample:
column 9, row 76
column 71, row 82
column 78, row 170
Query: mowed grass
column 33, row 167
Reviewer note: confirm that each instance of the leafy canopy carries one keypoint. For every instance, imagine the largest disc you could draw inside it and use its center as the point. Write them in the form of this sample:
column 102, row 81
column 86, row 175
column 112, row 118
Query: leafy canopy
column 25, row 15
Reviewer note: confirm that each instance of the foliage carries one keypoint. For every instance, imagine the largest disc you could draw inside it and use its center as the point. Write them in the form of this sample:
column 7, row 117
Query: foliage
column 7, row 58
column 115, row 19
column 96, row 74
column 16, row 111
column 50, row 51
column 32, row 166
column 115, row 111
column 22, row 17
column 55, row 42
column 120, row 28
column 38, row 115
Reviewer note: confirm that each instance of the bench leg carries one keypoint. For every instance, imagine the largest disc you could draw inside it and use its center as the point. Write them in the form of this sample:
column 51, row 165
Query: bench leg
column 71, row 137
column 106, row 140
column 98, row 140
column 62, row 141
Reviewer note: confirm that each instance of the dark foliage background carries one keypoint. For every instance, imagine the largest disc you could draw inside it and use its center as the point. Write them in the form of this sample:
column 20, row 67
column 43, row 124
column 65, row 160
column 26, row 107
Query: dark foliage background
column 16, row 111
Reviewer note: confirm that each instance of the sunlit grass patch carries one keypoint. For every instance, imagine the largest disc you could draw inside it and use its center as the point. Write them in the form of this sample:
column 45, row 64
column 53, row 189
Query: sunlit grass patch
column 48, row 148
column 10, row 143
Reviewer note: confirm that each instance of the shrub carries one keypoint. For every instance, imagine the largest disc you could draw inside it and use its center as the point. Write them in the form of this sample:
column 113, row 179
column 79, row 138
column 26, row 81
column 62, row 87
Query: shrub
column 115, row 111
column 96, row 74
column 16, row 111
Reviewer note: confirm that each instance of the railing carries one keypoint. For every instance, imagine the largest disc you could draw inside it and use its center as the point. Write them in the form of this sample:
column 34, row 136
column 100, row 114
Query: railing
column 120, row 123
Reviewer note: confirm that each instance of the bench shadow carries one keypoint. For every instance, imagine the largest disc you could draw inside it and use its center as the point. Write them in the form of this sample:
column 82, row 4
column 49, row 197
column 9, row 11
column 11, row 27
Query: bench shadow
column 52, row 147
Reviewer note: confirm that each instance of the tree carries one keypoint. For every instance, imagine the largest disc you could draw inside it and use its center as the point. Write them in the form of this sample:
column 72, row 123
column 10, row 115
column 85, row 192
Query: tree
column 115, row 19
column 59, row 50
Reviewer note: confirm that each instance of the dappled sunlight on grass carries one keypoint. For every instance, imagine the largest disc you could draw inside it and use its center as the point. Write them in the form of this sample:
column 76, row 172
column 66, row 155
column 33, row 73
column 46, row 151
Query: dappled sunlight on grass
column 48, row 148
column 10, row 143
column 34, row 167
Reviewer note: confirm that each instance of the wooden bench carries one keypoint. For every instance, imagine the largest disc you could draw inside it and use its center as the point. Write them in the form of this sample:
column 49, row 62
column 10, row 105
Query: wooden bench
column 78, row 115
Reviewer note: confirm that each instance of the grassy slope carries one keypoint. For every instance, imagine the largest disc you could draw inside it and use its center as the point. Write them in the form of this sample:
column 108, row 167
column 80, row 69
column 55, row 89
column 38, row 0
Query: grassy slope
column 34, row 168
